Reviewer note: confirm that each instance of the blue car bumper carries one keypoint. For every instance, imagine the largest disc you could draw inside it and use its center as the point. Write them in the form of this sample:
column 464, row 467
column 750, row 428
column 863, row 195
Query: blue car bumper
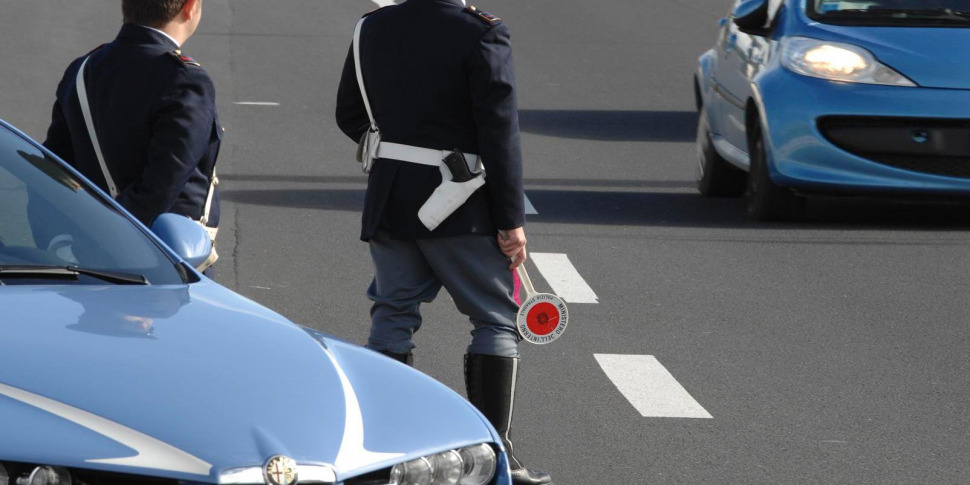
column 802, row 157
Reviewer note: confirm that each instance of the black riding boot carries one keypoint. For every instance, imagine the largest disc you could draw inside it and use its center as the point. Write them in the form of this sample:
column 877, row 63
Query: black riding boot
column 490, row 383
column 407, row 359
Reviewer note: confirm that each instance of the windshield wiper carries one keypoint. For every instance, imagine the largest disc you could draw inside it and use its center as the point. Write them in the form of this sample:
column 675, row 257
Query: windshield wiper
column 55, row 272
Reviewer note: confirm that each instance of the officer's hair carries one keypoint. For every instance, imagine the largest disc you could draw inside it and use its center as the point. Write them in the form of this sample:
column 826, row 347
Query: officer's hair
column 152, row 13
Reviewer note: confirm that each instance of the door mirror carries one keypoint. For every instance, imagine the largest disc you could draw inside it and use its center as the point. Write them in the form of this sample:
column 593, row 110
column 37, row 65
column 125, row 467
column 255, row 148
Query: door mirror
column 751, row 17
column 187, row 238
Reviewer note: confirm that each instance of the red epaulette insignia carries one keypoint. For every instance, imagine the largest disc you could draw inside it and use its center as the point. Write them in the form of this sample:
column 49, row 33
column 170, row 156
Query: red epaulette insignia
column 484, row 16
column 177, row 53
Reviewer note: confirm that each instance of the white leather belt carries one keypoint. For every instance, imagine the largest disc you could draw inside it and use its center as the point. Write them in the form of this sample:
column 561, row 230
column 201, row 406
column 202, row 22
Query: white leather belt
column 423, row 156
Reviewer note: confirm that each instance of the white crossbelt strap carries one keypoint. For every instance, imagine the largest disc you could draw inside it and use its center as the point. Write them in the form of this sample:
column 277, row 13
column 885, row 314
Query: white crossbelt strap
column 208, row 198
column 82, row 96
column 360, row 74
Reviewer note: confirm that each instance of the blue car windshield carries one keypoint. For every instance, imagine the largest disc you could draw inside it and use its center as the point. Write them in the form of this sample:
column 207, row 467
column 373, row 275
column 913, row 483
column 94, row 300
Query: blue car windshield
column 912, row 13
column 51, row 219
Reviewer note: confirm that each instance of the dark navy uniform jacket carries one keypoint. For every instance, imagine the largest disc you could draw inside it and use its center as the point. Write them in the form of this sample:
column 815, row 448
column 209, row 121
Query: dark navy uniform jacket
column 155, row 115
column 440, row 76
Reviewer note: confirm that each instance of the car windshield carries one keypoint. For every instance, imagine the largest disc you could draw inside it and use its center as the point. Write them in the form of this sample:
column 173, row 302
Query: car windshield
column 52, row 224
column 912, row 13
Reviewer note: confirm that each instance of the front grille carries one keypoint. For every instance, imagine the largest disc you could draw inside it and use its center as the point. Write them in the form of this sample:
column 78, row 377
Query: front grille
column 925, row 145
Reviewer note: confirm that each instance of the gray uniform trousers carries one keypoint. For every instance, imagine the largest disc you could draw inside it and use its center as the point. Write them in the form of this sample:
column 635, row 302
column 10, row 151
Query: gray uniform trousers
column 410, row 272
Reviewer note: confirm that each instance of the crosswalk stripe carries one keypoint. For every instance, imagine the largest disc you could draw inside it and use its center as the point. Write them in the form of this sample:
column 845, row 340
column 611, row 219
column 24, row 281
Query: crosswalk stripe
column 649, row 387
column 529, row 208
column 563, row 278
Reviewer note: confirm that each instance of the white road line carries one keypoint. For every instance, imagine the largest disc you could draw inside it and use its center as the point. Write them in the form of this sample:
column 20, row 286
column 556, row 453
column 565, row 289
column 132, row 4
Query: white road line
column 529, row 208
column 563, row 277
column 383, row 3
column 649, row 387
column 256, row 103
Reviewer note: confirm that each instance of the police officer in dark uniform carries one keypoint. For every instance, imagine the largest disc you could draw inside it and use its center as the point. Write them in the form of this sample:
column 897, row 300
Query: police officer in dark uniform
column 438, row 77
column 153, row 111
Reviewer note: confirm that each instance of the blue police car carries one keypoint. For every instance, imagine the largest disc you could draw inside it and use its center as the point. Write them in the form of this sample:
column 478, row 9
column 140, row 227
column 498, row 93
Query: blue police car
column 831, row 96
column 120, row 364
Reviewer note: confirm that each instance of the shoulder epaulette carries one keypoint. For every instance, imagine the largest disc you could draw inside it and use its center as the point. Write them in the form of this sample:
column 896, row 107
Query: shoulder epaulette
column 483, row 16
column 184, row 59
column 376, row 10
column 95, row 50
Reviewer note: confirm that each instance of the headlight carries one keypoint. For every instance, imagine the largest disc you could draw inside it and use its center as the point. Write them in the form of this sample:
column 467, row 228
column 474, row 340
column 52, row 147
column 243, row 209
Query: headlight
column 479, row 464
column 46, row 475
column 474, row 465
column 836, row 61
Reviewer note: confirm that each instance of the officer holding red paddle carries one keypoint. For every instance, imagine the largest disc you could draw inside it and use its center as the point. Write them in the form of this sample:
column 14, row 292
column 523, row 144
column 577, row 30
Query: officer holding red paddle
column 428, row 90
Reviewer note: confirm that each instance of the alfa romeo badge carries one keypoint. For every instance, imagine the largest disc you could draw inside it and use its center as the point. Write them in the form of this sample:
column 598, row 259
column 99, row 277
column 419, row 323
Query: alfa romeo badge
column 280, row 470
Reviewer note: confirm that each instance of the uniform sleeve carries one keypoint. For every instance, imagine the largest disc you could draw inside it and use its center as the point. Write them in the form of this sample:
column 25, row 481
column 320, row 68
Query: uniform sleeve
column 351, row 113
column 492, row 81
column 181, row 129
column 58, row 134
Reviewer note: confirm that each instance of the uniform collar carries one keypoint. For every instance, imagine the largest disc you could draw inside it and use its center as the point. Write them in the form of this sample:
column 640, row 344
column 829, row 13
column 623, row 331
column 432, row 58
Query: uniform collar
column 169, row 37
column 460, row 3
column 142, row 34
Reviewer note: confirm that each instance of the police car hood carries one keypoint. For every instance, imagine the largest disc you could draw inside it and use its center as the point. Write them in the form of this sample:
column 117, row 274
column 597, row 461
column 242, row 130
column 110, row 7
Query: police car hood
column 190, row 381
column 927, row 55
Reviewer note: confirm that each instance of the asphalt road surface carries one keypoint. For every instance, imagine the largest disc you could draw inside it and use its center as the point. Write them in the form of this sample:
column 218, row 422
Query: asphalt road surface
column 702, row 348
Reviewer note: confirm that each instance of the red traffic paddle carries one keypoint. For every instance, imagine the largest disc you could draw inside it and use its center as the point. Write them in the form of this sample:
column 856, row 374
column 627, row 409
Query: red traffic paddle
column 542, row 317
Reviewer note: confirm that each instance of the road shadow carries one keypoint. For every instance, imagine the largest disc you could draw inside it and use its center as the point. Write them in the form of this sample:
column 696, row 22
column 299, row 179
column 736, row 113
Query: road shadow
column 684, row 209
column 602, row 125
column 322, row 199
column 547, row 182
column 664, row 209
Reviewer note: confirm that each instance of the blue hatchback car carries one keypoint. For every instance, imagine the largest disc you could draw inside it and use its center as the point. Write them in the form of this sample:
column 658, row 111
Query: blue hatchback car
column 120, row 364
column 830, row 96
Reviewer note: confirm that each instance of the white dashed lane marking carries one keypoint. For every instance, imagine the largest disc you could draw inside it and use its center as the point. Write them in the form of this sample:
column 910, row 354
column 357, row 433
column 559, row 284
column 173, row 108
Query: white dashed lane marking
column 256, row 103
column 563, row 278
column 649, row 387
column 383, row 3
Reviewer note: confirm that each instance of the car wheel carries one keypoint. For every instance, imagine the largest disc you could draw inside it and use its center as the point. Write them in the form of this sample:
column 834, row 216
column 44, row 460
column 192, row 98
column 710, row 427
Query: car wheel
column 715, row 176
column 766, row 200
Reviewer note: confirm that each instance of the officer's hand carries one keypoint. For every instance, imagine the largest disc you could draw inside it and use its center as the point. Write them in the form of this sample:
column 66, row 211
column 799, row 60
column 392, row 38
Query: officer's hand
column 512, row 243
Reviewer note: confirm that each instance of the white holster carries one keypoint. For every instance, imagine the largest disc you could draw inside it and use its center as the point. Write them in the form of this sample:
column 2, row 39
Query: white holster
column 449, row 196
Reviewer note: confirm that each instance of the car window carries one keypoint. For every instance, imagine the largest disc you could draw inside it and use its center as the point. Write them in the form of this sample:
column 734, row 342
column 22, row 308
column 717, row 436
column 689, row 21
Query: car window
column 48, row 217
column 922, row 13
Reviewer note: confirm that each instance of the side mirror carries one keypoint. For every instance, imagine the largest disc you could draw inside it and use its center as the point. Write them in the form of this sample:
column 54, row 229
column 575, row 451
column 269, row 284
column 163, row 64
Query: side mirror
column 187, row 238
column 751, row 17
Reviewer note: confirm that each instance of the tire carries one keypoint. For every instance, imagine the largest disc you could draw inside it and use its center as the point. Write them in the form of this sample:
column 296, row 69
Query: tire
column 766, row 200
column 715, row 176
